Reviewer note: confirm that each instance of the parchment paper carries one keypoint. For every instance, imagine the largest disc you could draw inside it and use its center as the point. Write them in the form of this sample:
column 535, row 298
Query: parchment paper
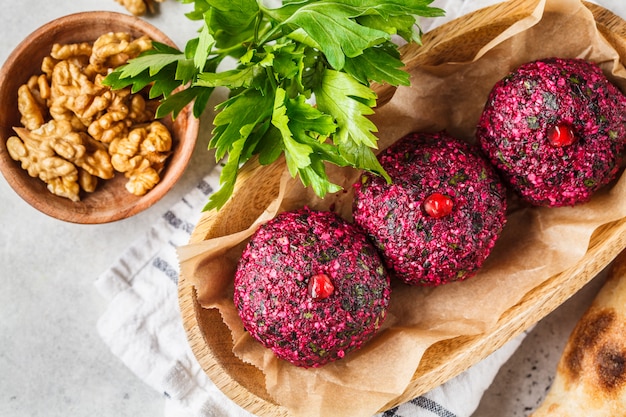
column 536, row 244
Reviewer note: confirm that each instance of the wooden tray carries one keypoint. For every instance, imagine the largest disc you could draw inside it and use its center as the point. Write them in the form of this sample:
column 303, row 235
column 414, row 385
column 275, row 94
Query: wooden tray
column 209, row 337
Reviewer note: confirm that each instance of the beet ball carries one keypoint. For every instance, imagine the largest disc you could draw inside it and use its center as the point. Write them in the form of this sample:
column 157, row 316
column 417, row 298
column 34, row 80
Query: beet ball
column 555, row 128
column 440, row 217
column 311, row 287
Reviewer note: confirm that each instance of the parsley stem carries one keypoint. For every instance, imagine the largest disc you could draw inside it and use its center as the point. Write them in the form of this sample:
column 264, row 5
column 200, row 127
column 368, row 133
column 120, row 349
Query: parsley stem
column 271, row 79
column 230, row 51
column 257, row 27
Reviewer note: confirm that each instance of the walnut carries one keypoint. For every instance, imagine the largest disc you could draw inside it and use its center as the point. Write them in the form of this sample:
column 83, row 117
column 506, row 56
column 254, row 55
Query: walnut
column 39, row 159
column 141, row 156
column 141, row 110
column 43, row 86
column 61, row 158
column 68, row 79
column 136, row 7
column 89, row 106
column 87, row 181
column 64, row 52
column 115, row 121
column 47, row 66
column 114, row 49
column 65, row 186
column 32, row 113
column 142, row 179
column 96, row 159
column 38, row 86
column 139, row 7
column 59, row 110
column 75, row 97
column 105, row 129
column 78, row 148
column 70, row 147
column 157, row 145
column 54, row 127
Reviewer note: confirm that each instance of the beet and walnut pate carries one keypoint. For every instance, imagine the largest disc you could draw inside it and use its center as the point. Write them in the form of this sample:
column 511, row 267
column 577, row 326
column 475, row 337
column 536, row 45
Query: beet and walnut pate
column 555, row 128
column 440, row 217
column 311, row 287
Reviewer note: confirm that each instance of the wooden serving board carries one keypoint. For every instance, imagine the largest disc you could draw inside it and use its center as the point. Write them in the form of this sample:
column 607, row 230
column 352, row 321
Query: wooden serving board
column 209, row 337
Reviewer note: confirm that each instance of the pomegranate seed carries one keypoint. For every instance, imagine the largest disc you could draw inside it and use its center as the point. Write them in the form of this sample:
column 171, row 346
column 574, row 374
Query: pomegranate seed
column 561, row 135
column 320, row 286
column 438, row 205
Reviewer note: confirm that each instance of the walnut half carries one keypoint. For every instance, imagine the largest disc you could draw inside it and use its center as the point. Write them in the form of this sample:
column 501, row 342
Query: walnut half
column 141, row 156
column 140, row 7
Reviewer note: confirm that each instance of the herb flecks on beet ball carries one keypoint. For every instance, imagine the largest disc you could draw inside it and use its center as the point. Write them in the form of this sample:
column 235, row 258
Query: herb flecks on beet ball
column 311, row 287
column 440, row 217
column 556, row 129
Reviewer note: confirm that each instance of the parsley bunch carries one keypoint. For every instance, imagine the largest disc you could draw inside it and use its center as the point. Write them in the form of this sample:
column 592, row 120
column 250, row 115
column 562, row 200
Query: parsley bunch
column 300, row 86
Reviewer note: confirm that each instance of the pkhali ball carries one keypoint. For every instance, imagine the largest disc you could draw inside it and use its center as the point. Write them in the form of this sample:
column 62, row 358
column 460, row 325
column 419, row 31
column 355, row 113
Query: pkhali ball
column 440, row 217
column 555, row 129
column 311, row 287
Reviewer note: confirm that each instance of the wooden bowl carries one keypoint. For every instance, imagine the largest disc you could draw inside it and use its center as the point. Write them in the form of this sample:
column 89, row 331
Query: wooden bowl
column 111, row 201
column 210, row 339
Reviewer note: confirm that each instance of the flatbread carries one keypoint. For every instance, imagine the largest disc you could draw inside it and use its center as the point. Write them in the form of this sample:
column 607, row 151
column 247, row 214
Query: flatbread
column 590, row 378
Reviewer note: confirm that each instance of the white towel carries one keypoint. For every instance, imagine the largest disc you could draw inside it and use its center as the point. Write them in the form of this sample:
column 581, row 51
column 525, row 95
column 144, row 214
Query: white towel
column 142, row 323
column 143, row 327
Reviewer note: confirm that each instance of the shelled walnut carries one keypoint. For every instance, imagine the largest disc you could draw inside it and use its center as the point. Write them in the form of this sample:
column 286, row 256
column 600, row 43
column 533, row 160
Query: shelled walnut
column 37, row 157
column 139, row 7
column 141, row 156
column 72, row 124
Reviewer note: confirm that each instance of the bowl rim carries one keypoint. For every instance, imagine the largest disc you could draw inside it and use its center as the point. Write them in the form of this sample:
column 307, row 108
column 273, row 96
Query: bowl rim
column 76, row 213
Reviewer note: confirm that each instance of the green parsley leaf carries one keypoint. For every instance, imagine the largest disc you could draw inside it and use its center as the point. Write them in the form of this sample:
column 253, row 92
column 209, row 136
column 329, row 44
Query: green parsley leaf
column 174, row 103
column 349, row 101
column 231, row 79
column 381, row 64
column 348, row 38
column 228, row 176
column 153, row 62
column 299, row 79
column 236, row 118
column 296, row 153
column 205, row 44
